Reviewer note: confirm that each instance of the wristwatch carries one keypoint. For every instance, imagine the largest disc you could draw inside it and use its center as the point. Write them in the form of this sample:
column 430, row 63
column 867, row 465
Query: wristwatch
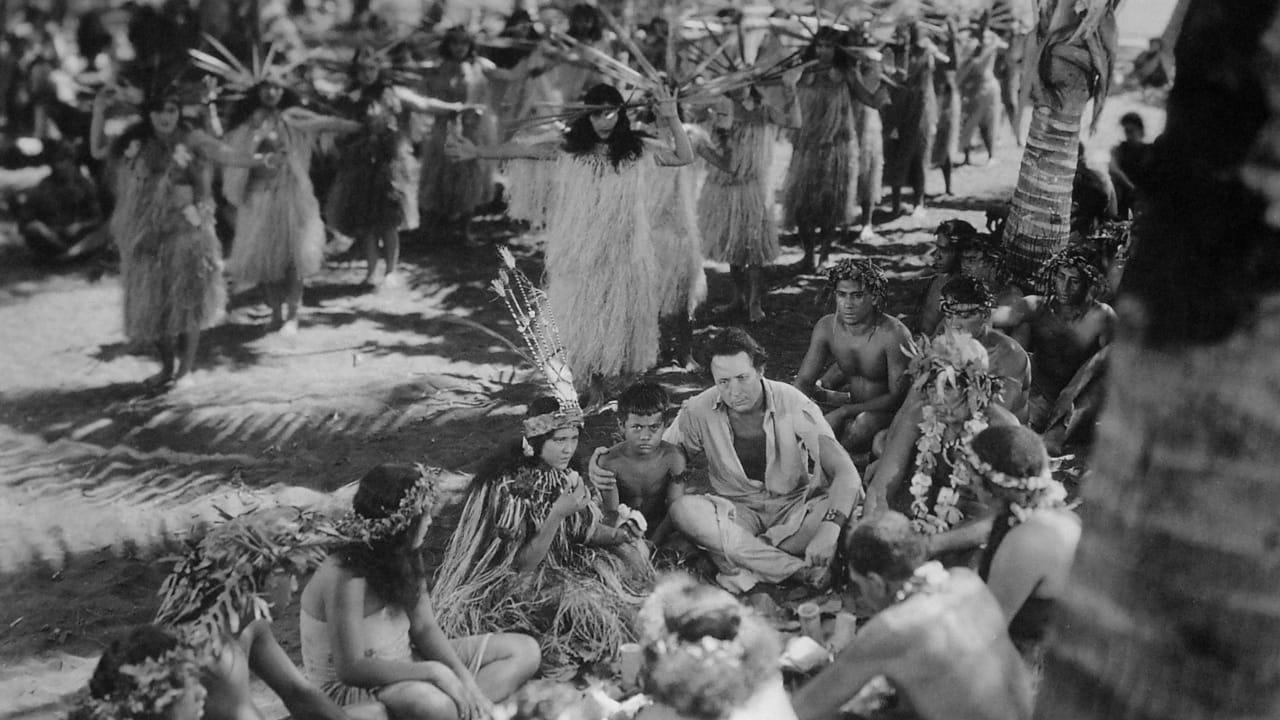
column 837, row 517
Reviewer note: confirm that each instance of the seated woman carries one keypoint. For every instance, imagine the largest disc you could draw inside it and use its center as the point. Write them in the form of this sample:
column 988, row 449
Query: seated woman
column 154, row 673
column 709, row 658
column 368, row 628
column 531, row 552
column 1027, row 560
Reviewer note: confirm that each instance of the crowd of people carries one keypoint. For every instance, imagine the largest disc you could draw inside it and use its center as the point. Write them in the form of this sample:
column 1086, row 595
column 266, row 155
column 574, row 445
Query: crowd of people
column 906, row 467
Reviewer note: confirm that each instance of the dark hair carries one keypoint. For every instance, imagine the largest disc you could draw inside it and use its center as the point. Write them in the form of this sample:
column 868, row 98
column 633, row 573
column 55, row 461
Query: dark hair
column 643, row 398
column 625, row 144
column 394, row 571
column 968, row 290
column 244, row 108
column 144, row 642
column 891, row 551
column 1011, row 449
column 733, row 340
column 956, row 230
column 509, row 57
column 831, row 36
column 586, row 23
column 457, row 32
column 1134, row 119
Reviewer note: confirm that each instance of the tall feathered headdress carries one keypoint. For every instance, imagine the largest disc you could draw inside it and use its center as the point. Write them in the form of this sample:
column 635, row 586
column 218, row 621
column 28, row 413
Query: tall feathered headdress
column 237, row 77
column 532, row 313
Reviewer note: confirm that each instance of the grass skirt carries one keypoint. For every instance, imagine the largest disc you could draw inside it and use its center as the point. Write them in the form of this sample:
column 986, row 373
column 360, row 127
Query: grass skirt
column 279, row 234
column 602, row 270
column 456, row 189
column 581, row 603
column 376, row 189
column 174, row 279
column 735, row 216
column 677, row 243
column 821, row 185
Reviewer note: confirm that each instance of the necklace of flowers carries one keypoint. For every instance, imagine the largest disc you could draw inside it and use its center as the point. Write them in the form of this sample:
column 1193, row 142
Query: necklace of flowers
column 927, row 579
column 933, row 444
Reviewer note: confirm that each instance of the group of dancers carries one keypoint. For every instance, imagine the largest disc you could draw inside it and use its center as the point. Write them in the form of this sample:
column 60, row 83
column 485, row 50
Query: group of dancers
column 615, row 194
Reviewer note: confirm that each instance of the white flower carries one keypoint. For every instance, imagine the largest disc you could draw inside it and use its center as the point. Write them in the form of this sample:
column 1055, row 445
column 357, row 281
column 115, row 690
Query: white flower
column 181, row 155
column 192, row 214
column 132, row 151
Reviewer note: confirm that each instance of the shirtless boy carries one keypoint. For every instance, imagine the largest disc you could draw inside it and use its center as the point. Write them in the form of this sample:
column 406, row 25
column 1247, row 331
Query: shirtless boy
column 649, row 472
column 938, row 636
column 866, row 344
column 1066, row 328
column 949, row 241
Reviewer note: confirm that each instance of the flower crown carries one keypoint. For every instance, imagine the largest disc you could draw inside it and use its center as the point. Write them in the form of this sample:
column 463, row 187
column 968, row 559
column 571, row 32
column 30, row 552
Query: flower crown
column 420, row 500
column 860, row 270
column 985, row 299
column 1042, row 490
column 1081, row 260
column 156, row 684
column 938, row 367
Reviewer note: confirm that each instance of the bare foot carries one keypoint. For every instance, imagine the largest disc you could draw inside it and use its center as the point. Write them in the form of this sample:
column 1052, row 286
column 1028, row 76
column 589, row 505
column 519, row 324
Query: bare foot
column 756, row 314
column 290, row 328
column 868, row 234
column 727, row 308
column 370, row 280
column 159, row 380
column 393, row 280
column 183, row 382
column 918, row 211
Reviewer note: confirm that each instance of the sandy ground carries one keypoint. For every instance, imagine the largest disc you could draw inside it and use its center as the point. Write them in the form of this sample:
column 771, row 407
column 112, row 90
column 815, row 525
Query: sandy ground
column 98, row 478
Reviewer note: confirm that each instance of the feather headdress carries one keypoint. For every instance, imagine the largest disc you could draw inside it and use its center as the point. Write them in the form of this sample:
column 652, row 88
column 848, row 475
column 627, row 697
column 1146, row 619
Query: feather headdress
column 237, row 77
column 532, row 314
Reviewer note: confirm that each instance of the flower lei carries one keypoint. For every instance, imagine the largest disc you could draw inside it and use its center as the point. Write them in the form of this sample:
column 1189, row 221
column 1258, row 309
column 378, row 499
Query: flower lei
column 927, row 579
column 421, row 500
column 945, row 512
column 1041, row 492
column 157, row 683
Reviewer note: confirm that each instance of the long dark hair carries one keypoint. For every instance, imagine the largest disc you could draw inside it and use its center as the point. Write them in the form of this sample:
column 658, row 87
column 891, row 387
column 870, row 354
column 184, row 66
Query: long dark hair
column 510, row 458
column 244, row 108
column 142, row 130
column 509, row 57
column 585, row 23
column 143, row 643
column 395, row 572
column 625, row 145
column 829, row 35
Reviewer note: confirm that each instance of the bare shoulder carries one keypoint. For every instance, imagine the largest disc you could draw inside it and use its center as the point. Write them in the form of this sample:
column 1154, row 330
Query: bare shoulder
column 825, row 327
column 1102, row 312
column 611, row 456
column 1058, row 529
column 672, row 456
column 896, row 333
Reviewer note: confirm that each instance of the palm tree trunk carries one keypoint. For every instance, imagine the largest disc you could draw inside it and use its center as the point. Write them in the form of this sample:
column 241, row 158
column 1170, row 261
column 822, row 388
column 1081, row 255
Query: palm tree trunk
column 1040, row 216
column 1174, row 605
column 1041, row 213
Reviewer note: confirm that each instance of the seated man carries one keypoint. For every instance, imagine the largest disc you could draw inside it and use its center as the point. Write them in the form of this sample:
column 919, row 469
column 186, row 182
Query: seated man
column 1066, row 329
column 61, row 210
column 782, row 488
column 966, row 308
column 952, row 399
column 937, row 636
column 983, row 258
column 866, row 344
column 949, row 241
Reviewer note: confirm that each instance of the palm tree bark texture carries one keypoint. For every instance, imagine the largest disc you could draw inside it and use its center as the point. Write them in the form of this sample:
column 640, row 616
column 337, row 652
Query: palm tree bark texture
column 1174, row 605
column 1073, row 44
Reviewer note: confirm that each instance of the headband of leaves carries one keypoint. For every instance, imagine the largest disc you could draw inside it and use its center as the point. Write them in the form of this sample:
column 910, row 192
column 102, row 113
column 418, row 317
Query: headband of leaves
column 1080, row 259
column 859, row 270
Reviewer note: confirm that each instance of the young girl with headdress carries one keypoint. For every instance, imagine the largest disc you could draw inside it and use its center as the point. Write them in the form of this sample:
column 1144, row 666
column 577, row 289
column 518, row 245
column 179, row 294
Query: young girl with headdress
column 368, row 626
column 820, row 193
column 603, row 278
column 532, row 550
column 279, row 237
column 375, row 194
column 707, row 657
column 735, row 209
column 171, row 262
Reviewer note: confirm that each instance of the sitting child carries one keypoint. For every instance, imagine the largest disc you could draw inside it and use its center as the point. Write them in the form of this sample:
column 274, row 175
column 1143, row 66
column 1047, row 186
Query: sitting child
column 368, row 628
column 649, row 471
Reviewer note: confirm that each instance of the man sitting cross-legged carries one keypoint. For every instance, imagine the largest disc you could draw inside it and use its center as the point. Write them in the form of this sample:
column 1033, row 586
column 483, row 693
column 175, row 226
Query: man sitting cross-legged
column 937, row 636
column 782, row 488
column 1067, row 328
column 949, row 242
column 866, row 344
